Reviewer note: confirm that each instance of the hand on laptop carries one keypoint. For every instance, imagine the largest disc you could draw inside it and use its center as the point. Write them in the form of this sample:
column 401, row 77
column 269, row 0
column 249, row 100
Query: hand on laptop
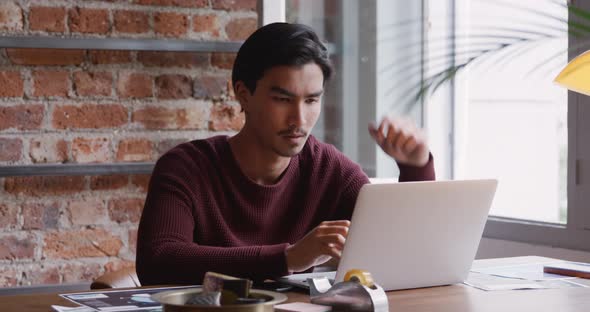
column 402, row 140
column 318, row 246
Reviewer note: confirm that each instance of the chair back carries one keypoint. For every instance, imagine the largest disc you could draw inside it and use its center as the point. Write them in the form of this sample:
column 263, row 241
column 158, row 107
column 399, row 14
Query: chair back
column 124, row 278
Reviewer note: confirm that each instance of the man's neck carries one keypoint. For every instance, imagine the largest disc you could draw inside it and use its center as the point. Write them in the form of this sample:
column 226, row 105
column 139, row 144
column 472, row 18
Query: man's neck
column 257, row 163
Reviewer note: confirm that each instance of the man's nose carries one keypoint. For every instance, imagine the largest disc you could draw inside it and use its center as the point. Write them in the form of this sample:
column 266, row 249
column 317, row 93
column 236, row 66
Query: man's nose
column 297, row 114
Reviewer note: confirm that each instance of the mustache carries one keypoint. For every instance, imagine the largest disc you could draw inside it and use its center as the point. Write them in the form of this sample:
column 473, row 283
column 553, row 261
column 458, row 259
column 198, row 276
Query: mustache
column 293, row 132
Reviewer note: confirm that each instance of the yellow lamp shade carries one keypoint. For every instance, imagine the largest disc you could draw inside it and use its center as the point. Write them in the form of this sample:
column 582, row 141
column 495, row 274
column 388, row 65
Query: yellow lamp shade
column 576, row 75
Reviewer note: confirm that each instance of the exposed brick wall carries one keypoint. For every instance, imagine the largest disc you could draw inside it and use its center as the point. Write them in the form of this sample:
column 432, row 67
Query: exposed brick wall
column 91, row 106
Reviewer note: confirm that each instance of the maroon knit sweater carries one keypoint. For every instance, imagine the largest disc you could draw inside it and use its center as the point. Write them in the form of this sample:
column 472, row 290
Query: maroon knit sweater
column 203, row 214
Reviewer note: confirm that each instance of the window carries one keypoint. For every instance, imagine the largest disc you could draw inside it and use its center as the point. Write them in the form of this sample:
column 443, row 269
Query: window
column 500, row 117
column 512, row 119
column 511, row 122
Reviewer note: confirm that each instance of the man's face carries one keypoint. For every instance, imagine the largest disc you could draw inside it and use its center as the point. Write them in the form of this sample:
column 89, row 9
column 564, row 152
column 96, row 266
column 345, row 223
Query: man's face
column 284, row 107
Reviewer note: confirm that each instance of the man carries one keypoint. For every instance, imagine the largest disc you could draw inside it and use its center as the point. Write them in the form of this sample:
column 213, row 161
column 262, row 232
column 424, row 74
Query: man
column 270, row 200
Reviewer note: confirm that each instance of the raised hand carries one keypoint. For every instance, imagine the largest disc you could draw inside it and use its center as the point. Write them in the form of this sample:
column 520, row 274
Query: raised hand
column 402, row 140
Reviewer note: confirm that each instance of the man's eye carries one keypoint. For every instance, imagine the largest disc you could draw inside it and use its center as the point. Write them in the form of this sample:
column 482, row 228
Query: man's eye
column 311, row 101
column 281, row 99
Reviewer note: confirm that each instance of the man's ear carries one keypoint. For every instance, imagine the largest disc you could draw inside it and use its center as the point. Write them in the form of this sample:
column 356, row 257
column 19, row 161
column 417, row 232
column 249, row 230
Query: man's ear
column 242, row 95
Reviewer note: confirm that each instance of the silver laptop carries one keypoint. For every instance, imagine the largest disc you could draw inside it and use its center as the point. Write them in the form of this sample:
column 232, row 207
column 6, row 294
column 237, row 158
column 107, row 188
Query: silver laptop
column 414, row 234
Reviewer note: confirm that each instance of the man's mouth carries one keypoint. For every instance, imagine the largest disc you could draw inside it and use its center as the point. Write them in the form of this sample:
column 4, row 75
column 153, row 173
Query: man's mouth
column 293, row 136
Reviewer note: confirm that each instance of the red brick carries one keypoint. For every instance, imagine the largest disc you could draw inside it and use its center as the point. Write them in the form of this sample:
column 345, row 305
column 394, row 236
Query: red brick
column 11, row 17
column 87, row 211
column 141, row 181
column 174, row 87
column 10, row 149
column 226, row 117
column 99, row 57
column 41, row 216
column 89, row 116
column 207, row 24
column 13, row 247
column 173, row 59
column 51, row 83
column 135, row 85
column 21, row 117
column 93, row 83
column 50, row 19
column 126, row 210
column 12, row 84
column 87, row 150
column 134, row 150
column 166, row 118
column 81, row 244
column 133, row 22
column 8, row 213
column 76, row 273
column 240, row 28
column 48, row 150
column 109, row 182
column 117, row 265
column 234, row 5
column 84, row 20
column 132, row 240
column 38, row 186
column 210, row 87
column 8, row 277
column 41, row 275
column 170, row 24
column 223, row 60
column 45, row 56
column 176, row 3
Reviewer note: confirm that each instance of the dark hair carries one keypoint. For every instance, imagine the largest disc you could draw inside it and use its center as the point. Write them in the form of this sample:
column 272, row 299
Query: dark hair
column 279, row 44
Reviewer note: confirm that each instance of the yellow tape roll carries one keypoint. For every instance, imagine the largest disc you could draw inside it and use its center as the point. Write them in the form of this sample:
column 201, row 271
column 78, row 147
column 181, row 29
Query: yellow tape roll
column 360, row 276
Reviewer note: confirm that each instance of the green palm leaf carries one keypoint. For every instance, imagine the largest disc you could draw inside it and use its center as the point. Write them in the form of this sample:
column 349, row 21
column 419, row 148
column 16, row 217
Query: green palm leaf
column 496, row 46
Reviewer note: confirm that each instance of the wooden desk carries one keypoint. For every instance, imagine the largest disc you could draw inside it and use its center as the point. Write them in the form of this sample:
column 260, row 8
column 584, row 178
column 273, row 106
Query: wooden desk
column 455, row 298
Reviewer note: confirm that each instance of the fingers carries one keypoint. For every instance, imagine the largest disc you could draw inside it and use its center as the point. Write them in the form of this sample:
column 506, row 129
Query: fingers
column 401, row 139
column 333, row 243
column 332, row 235
column 335, row 223
column 403, row 131
column 410, row 145
column 334, row 240
column 322, row 230
column 375, row 133
column 387, row 131
column 333, row 252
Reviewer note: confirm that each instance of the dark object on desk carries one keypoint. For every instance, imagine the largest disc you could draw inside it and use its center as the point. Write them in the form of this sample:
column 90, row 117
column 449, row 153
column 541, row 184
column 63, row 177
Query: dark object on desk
column 210, row 299
column 576, row 269
column 251, row 299
column 231, row 288
column 273, row 286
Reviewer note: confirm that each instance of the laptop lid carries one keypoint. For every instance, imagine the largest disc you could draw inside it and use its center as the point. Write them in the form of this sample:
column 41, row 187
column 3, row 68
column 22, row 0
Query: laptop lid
column 417, row 234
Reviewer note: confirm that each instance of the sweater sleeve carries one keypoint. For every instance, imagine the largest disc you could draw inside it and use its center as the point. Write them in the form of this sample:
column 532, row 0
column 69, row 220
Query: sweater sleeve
column 412, row 173
column 166, row 252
